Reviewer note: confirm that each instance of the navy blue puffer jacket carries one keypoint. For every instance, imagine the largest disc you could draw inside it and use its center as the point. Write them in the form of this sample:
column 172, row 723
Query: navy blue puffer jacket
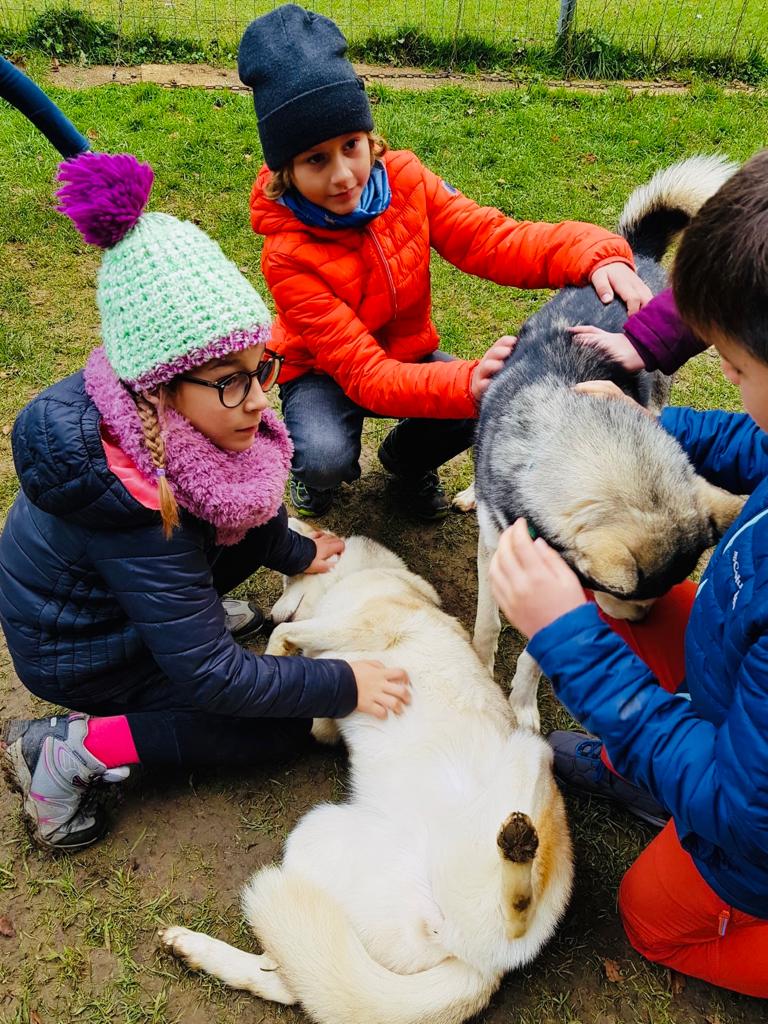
column 705, row 759
column 94, row 599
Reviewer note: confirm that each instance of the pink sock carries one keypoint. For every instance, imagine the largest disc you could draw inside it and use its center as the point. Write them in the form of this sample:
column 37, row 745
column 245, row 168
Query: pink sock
column 111, row 741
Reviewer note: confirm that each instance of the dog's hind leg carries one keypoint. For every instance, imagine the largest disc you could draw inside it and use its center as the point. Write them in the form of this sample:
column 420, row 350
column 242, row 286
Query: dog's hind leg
column 256, row 974
column 487, row 619
column 523, row 690
column 465, row 500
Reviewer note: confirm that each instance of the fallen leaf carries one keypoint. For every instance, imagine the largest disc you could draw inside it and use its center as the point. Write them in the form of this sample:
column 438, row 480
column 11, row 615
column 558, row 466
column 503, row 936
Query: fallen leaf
column 713, row 1018
column 34, row 1017
column 612, row 971
column 92, row 135
column 6, row 928
column 589, row 158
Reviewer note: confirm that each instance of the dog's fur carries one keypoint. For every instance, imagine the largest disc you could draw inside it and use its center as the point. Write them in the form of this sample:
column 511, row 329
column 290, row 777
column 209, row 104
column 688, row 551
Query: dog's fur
column 451, row 862
column 597, row 478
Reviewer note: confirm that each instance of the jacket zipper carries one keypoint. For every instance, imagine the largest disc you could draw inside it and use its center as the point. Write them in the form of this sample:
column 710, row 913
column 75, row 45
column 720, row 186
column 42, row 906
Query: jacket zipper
column 387, row 271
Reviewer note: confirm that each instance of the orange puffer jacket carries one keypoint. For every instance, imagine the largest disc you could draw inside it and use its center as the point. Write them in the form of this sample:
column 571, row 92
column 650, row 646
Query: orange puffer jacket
column 355, row 303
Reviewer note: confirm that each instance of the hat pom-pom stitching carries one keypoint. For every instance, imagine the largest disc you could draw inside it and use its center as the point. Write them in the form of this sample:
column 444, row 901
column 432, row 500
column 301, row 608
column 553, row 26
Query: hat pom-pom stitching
column 104, row 195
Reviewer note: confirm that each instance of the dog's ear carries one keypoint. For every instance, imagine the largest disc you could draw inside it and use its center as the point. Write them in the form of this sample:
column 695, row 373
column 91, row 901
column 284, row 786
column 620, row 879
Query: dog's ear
column 606, row 559
column 720, row 506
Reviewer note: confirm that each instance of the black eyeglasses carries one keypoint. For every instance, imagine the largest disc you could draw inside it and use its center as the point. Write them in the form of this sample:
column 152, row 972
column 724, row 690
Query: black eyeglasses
column 234, row 389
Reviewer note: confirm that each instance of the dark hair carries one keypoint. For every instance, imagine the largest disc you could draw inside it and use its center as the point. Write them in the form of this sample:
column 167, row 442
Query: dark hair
column 720, row 274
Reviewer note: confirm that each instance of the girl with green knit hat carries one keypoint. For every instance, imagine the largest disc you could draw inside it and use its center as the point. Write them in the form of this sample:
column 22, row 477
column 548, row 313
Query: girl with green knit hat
column 151, row 484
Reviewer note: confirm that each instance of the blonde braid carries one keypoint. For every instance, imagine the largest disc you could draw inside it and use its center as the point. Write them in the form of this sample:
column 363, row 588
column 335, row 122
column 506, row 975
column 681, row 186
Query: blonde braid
column 153, row 439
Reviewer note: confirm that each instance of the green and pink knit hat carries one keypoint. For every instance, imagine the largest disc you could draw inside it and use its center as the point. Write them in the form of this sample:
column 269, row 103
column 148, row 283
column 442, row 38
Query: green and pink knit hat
column 169, row 298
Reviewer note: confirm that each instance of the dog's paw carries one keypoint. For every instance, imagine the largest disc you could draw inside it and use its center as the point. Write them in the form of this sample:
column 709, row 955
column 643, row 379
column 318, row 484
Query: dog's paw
column 280, row 643
column 325, row 730
column 185, row 945
column 465, row 500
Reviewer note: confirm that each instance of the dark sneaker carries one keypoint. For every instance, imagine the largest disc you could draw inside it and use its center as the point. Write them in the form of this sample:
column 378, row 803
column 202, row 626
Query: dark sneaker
column 244, row 618
column 45, row 760
column 424, row 494
column 579, row 768
column 308, row 503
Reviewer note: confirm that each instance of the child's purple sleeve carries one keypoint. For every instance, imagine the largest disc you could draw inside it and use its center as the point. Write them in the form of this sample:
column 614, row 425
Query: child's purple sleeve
column 660, row 337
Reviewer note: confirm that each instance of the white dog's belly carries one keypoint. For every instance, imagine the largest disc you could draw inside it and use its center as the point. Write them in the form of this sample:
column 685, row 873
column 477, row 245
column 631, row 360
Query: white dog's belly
column 374, row 867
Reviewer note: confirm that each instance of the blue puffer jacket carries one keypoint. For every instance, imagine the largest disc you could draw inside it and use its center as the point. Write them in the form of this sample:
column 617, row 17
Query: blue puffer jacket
column 93, row 598
column 705, row 759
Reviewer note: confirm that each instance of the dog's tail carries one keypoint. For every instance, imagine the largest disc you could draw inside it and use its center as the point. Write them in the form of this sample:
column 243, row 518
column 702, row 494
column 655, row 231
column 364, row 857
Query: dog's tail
column 329, row 971
column 657, row 211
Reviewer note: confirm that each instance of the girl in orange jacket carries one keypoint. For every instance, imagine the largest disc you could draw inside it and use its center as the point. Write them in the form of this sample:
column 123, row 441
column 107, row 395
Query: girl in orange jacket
column 348, row 230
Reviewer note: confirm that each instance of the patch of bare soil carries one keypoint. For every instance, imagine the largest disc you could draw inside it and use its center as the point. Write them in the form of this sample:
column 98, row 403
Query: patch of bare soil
column 84, row 946
column 205, row 76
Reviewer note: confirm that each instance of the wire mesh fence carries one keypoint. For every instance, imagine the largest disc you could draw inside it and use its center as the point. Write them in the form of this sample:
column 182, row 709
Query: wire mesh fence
column 662, row 28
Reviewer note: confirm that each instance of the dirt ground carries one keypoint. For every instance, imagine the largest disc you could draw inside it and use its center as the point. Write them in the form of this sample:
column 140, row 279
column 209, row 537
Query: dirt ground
column 206, row 76
column 83, row 945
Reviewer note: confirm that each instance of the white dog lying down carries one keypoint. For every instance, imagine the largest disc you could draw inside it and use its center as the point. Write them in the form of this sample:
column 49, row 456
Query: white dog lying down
column 451, row 863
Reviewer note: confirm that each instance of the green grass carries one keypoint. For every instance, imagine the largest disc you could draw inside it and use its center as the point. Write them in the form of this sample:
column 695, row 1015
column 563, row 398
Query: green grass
column 535, row 154
column 718, row 25
column 634, row 38
column 86, row 950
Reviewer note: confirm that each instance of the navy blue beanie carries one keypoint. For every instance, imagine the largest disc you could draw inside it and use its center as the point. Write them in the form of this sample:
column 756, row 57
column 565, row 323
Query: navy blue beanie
column 304, row 88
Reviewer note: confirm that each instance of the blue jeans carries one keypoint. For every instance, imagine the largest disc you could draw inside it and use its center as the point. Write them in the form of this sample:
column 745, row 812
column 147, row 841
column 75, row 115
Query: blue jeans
column 326, row 427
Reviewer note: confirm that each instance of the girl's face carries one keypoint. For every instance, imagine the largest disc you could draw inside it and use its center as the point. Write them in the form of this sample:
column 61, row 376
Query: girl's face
column 334, row 173
column 233, row 430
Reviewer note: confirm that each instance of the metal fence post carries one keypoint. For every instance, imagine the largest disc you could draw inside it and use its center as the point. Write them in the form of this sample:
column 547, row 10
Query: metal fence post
column 565, row 22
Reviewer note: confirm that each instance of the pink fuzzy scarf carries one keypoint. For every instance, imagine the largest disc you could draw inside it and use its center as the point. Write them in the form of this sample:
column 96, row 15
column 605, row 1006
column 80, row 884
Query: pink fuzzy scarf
column 234, row 491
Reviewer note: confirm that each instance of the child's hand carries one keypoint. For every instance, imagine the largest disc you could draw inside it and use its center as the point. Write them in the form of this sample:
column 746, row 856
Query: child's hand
column 491, row 363
column 607, row 389
column 532, row 584
column 621, row 279
column 329, row 547
column 380, row 689
column 617, row 346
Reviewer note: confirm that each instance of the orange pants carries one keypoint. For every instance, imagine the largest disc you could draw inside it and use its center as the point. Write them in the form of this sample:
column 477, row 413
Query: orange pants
column 669, row 912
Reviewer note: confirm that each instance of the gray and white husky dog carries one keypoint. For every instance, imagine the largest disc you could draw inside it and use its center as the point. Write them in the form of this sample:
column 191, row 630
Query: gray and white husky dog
column 598, row 479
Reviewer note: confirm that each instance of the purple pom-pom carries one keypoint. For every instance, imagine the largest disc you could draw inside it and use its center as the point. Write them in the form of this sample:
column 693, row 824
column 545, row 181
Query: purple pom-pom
column 104, row 194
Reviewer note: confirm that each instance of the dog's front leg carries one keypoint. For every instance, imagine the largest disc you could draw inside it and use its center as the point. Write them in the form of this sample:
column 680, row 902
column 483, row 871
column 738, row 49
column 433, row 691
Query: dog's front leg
column 487, row 619
column 523, row 691
column 314, row 637
column 256, row 974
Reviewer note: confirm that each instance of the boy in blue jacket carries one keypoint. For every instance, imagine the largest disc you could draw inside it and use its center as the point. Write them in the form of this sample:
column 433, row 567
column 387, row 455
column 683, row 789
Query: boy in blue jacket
column 696, row 899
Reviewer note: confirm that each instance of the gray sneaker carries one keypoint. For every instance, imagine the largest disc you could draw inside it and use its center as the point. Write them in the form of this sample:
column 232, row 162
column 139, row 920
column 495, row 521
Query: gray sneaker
column 244, row 618
column 45, row 760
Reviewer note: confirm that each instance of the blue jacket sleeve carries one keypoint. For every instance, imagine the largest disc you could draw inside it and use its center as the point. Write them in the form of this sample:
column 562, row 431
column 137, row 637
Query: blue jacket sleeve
column 729, row 449
column 165, row 588
column 284, row 549
column 713, row 780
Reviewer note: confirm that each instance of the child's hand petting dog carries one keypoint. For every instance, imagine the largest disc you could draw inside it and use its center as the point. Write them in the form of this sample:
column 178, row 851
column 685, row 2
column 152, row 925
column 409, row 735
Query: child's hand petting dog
column 329, row 547
column 621, row 279
column 490, row 364
column 617, row 346
column 607, row 389
column 380, row 688
column 532, row 584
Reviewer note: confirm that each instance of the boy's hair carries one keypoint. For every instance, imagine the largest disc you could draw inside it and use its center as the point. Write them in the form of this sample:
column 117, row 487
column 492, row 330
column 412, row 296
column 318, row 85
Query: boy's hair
column 282, row 179
column 720, row 275
column 153, row 439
